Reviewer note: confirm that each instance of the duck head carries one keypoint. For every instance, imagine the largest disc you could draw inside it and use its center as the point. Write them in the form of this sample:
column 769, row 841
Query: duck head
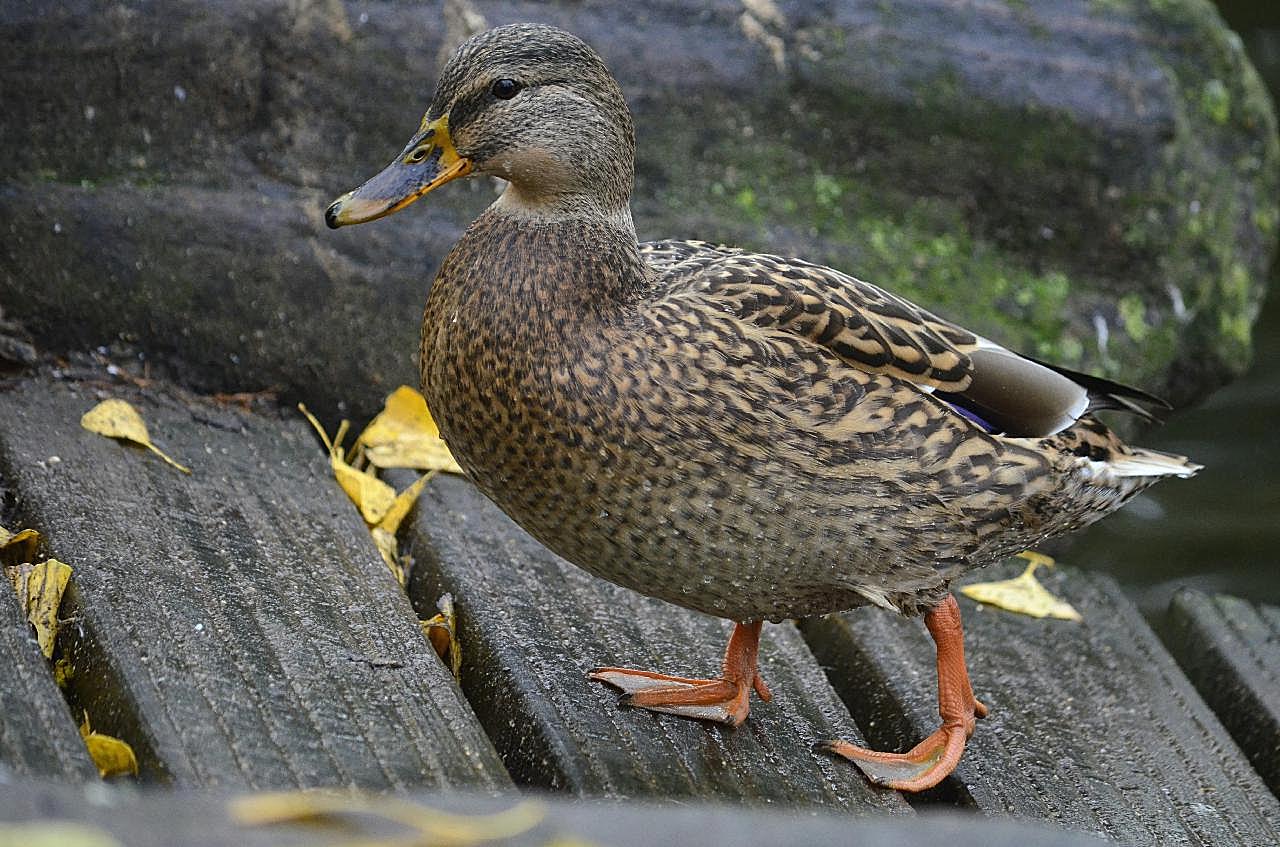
column 531, row 104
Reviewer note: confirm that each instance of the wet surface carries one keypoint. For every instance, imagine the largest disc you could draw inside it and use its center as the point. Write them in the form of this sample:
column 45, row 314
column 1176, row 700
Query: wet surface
column 37, row 735
column 532, row 627
column 1091, row 726
column 1230, row 649
column 235, row 626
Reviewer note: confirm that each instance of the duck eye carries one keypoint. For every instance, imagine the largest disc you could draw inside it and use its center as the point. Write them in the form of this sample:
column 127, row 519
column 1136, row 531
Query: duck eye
column 505, row 89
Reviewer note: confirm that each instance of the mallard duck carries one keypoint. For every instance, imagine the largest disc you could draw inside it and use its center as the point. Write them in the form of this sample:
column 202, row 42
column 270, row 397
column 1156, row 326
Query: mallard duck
column 747, row 435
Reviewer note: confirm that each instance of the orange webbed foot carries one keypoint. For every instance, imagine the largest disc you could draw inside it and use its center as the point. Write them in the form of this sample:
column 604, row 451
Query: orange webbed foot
column 932, row 760
column 725, row 700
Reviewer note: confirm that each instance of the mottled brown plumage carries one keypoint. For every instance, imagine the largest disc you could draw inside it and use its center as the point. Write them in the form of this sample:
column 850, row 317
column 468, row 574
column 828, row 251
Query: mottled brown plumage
column 750, row 436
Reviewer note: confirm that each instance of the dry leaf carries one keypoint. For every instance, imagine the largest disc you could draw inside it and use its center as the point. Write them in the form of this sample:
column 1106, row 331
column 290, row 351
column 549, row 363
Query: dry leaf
column 112, row 756
column 442, row 632
column 404, row 435
column 390, row 550
column 39, row 589
column 373, row 497
column 18, row 547
column 403, row 504
column 117, row 419
column 1023, row 594
column 63, row 673
column 54, row 834
column 431, row 826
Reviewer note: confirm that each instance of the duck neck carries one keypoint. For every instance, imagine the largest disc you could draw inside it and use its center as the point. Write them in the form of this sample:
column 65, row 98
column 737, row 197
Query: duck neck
column 611, row 209
column 552, row 270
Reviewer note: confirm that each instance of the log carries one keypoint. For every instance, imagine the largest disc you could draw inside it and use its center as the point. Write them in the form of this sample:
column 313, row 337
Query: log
column 1092, row 725
column 532, row 626
column 236, row 626
column 201, row 819
column 1230, row 650
column 37, row 735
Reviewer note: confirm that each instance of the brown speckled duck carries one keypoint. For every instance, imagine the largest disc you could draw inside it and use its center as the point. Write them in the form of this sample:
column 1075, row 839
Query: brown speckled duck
column 750, row 436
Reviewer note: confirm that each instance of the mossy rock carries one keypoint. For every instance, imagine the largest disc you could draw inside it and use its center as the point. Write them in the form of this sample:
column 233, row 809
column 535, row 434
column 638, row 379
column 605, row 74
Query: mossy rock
column 1094, row 181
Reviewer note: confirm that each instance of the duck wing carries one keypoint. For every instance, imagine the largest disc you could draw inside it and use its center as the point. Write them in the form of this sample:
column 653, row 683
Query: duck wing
column 876, row 331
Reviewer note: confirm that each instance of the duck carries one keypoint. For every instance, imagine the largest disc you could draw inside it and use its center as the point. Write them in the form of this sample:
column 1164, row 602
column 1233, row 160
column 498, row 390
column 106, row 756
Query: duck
column 750, row 436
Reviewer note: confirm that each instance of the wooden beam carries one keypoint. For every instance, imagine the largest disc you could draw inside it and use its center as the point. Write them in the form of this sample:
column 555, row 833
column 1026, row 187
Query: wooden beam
column 236, row 626
column 1092, row 725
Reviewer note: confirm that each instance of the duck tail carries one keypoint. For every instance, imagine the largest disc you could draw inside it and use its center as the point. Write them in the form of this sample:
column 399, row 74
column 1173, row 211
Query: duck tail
column 1141, row 462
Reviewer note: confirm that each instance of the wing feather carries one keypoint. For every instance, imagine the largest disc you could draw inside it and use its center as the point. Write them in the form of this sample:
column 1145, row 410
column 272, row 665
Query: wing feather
column 876, row 331
column 866, row 326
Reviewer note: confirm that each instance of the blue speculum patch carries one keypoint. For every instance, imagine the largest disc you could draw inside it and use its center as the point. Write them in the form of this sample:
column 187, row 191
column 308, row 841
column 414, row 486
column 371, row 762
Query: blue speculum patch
column 971, row 416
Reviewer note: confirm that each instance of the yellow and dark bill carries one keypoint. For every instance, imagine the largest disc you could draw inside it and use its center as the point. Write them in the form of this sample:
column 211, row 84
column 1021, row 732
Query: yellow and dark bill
column 427, row 162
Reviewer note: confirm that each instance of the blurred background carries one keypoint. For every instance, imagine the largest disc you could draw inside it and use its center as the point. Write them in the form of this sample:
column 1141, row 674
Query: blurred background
column 1222, row 531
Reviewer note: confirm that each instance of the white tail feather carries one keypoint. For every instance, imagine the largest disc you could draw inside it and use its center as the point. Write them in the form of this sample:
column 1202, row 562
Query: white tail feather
column 1150, row 463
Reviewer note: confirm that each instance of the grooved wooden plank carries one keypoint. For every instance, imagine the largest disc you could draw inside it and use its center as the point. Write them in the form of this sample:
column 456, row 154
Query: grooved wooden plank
column 532, row 626
column 1092, row 725
column 1230, row 650
column 236, row 626
column 37, row 735
column 200, row 819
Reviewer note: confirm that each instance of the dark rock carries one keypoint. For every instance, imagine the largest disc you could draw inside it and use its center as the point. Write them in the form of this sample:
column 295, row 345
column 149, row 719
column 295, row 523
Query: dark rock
column 1091, row 182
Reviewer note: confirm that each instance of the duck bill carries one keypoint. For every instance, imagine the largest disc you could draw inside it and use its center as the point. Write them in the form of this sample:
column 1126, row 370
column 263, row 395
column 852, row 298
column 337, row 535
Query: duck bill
column 426, row 163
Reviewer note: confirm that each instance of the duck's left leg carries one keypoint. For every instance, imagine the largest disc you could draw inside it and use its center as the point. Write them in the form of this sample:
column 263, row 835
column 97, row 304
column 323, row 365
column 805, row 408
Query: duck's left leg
column 723, row 700
column 930, row 761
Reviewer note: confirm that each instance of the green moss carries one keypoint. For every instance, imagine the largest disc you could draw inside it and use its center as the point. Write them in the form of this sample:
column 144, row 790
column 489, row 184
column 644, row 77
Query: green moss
column 898, row 193
column 1235, row 321
column 1133, row 317
column 1102, row 7
column 1215, row 100
column 745, row 200
column 1264, row 219
column 923, row 251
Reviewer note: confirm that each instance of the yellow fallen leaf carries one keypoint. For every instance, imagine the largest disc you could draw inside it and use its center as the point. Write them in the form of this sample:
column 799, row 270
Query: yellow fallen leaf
column 384, row 534
column 372, row 496
column 63, row 673
column 39, row 589
column 54, row 834
column 1023, row 594
column 431, row 826
column 442, row 632
column 18, row 547
column 390, row 550
column 404, row 435
column 117, row 419
column 112, row 756
column 403, row 504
